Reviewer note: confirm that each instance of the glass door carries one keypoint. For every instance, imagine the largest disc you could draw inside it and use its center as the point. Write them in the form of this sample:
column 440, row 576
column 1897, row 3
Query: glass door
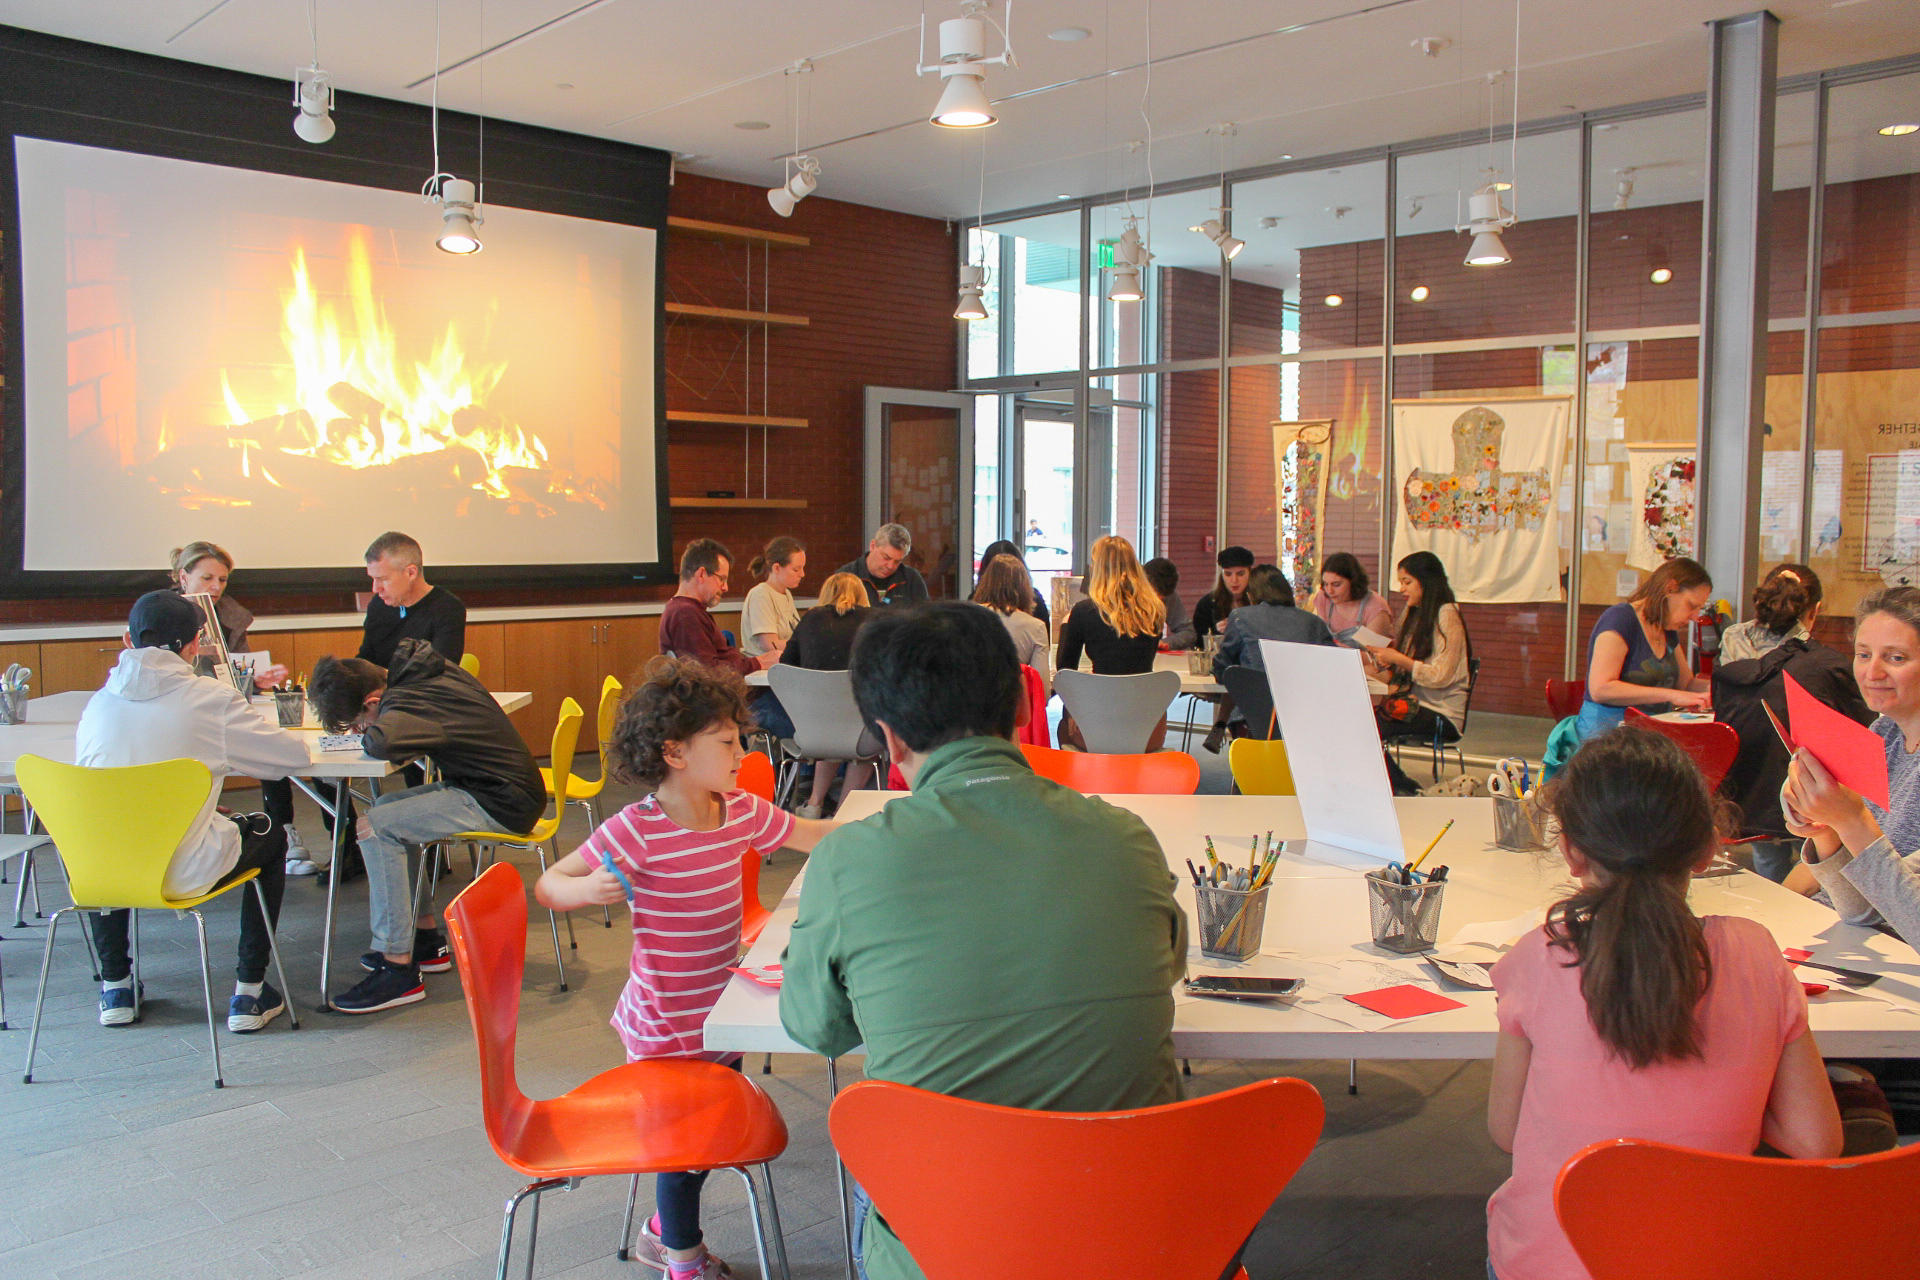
column 919, row 447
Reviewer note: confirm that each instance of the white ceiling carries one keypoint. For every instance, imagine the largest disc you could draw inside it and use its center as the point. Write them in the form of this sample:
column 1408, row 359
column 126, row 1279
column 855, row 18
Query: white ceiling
column 1305, row 77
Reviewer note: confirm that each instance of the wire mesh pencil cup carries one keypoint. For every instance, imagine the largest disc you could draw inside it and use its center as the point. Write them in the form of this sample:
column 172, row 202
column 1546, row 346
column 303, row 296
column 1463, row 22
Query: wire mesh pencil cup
column 1406, row 917
column 1519, row 824
column 1232, row 921
column 290, row 707
column 13, row 706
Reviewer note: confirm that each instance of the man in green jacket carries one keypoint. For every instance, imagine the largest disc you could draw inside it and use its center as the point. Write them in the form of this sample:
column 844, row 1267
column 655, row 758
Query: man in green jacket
column 994, row 935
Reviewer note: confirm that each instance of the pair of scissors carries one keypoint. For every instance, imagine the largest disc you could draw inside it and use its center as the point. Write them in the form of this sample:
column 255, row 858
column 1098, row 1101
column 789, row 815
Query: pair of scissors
column 1511, row 777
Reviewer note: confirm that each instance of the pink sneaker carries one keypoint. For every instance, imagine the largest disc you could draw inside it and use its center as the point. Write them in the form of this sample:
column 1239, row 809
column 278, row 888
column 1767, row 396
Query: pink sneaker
column 649, row 1252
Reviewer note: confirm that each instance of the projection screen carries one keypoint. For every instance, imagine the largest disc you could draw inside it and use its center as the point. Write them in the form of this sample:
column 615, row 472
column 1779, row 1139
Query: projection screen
column 289, row 366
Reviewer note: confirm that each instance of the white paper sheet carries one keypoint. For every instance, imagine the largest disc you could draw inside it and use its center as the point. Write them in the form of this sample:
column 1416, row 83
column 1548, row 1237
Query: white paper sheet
column 1320, row 696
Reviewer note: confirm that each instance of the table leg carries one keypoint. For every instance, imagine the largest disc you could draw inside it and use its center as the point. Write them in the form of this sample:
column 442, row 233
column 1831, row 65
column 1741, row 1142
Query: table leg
column 340, row 810
column 840, row 1173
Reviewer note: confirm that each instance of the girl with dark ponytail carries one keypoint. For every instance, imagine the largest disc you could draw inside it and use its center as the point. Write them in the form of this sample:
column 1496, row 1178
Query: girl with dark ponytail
column 1626, row 1015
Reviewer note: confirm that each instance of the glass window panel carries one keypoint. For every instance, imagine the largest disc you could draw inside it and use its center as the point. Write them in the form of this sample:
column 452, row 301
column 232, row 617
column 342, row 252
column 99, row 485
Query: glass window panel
column 1035, row 279
column 983, row 336
column 1315, row 237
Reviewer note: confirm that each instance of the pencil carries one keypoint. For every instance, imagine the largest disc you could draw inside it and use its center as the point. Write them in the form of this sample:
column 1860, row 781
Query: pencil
column 1429, row 849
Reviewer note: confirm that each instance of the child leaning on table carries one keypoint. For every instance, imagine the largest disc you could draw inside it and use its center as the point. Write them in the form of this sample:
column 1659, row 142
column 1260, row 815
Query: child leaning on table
column 680, row 848
column 1627, row 1016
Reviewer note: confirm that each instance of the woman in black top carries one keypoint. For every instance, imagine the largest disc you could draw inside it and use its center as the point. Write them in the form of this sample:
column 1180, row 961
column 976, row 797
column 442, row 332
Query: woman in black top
column 823, row 641
column 1229, row 592
column 1117, row 625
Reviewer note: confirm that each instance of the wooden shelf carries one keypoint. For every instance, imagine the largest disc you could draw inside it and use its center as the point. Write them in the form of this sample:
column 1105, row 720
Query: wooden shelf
column 693, row 312
column 747, row 235
column 782, row 504
column 733, row 419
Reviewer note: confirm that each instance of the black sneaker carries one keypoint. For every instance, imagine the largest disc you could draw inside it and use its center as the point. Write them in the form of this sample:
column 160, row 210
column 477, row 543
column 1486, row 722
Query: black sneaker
column 247, row 1014
column 430, row 953
column 387, row 987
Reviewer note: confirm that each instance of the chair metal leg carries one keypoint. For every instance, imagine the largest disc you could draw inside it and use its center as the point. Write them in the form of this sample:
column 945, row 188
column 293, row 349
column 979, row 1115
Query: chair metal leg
column 334, row 866
column 573, row 943
column 553, row 921
column 40, row 996
column 20, row 891
column 766, row 1068
column 625, row 1251
column 535, row 1190
column 779, row 1232
column 760, row 1224
column 139, row 986
column 1353, row 1076
column 840, row 1174
column 593, row 819
column 273, row 949
column 206, row 989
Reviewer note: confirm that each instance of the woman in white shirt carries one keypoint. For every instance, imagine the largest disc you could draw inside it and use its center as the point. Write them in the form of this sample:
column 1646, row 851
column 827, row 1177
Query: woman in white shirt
column 1006, row 589
column 1429, row 665
column 770, row 615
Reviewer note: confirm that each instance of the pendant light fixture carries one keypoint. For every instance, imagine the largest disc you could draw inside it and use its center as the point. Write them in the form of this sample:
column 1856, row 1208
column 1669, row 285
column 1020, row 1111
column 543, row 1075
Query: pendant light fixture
column 963, row 66
column 973, row 275
column 1487, row 216
column 1130, row 259
column 313, row 91
column 458, row 199
column 803, row 171
column 1215, row 229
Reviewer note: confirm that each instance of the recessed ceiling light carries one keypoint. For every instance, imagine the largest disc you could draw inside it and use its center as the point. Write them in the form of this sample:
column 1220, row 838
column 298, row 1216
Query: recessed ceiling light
column 1063, row 196
column 1661, row 275
column 563, row 85
column 1333, row 299
column 1419, row 293
column 752, row 126
column 690, row 157
column 1899, row 130
column 1069, row 35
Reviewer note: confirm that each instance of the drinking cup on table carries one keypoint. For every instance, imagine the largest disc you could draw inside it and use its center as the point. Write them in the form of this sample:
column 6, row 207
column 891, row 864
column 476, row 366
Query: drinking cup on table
column 1232, row 921
column 1405, row 917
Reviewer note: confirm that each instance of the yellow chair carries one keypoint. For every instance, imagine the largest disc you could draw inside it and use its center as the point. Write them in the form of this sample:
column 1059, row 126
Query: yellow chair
column 1260, row 767
column 566, row 736
column 587, row 794
column 116, row 830
column 470, row 664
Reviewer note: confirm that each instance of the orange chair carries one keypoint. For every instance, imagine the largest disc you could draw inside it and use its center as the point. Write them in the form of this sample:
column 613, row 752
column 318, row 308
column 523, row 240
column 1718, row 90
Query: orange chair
column 756, row 775
column 1712, row 745
column 1155, row 773
column 1036, row 730
column 1166, row 1191
column 658, row 1115
column 1564, row 697
column 1634, row 1209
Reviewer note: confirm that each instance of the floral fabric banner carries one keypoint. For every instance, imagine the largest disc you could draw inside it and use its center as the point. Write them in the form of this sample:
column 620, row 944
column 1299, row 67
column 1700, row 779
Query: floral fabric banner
column 1476, row 485
column 1660, row 486
column 1301, row 466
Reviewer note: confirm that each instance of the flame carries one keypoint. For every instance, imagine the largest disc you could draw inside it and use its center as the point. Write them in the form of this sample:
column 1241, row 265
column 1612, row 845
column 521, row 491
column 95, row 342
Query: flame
column 356, row 403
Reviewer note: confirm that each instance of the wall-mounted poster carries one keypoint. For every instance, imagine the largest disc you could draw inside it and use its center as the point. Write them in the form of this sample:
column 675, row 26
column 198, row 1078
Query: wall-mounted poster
column 1891, row 547
column 1660, row 482
column 1301, row 465
column 1476, row 486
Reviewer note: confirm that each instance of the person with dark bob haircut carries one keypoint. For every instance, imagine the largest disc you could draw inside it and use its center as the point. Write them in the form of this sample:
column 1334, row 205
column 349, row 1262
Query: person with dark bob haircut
column 1011, row 940
column 1344, row 602
column 1004, row 548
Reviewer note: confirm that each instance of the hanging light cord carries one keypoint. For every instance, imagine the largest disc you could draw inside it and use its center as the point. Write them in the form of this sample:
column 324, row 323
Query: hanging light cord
column 313, row 32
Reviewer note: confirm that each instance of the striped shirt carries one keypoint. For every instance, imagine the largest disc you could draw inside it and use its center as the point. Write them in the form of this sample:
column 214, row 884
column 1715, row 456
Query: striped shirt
column 686, row 915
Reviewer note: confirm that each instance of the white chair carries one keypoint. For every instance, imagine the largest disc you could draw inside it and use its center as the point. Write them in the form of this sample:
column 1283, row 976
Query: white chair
column 826, row 720
column 1116, row 714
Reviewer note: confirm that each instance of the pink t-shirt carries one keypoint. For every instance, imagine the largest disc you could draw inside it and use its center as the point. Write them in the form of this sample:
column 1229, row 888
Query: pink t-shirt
column 1577, row 1093
column 686, row 915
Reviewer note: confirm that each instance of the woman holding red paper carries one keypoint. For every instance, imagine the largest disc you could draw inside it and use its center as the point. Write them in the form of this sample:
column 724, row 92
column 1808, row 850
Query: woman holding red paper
column 1854, row 847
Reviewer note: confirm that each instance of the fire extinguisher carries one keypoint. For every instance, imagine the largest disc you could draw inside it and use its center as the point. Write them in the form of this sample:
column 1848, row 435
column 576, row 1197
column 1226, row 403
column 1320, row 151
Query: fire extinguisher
column 1703, row 635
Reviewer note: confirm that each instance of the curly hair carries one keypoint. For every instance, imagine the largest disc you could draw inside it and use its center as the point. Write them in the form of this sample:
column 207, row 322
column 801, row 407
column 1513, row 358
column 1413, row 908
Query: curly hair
column 675, row 699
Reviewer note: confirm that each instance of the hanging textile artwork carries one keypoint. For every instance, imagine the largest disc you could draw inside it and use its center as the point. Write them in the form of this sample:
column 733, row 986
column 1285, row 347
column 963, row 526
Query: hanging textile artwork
column 1301, row 465
column 1477, row 487
column 1660, row 482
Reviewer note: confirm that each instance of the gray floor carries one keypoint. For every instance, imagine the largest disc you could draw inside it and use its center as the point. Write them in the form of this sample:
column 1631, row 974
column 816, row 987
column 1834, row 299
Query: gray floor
column 353, row 1147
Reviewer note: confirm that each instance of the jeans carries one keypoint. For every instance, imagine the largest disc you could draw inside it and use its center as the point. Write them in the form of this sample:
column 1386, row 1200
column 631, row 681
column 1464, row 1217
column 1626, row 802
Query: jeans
column 769, row 714
column 268, row 854
column 401, row 823
column 676, row 1201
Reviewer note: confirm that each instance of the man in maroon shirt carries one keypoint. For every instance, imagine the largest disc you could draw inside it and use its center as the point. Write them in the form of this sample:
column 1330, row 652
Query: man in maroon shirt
column 687, row 630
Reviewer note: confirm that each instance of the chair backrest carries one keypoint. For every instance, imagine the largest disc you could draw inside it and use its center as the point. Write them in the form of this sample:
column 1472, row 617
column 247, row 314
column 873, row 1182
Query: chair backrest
column 1564, row 697
column 1634, row 1209
column 566, row 737
column 1154, row 773
column 1712, row 745
column 487, row 929
column 756, row 775
column 1116, row 714
column 1253, row 697
column 611, row 694
column 827, row 724
column 1473, row 682
column 116, row 828
column 470, row 663
column 1166, row 1191
column 1036, row 730
column 1260, row 767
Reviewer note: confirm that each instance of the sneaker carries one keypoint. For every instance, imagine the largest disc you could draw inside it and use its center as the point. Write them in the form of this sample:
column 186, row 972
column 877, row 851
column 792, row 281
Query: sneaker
column 247, row 1014
column 809, row 811
column 387, row 987
column 1866, row 1121
column 649, row 1252
column 116, row 1006
column 1215, row 737
column 711, row 1268
column 299, row 861
column 430, row 953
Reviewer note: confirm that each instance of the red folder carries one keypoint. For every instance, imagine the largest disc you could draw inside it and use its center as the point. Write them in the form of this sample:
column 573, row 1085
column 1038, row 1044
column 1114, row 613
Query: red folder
column 1845, row 748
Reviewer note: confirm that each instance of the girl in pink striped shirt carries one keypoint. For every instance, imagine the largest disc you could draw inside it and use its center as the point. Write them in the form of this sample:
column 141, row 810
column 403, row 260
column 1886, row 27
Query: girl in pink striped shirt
column 675, row 857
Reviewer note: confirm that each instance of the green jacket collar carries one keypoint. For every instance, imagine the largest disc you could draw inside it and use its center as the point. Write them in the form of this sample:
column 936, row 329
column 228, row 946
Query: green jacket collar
column 961, row 762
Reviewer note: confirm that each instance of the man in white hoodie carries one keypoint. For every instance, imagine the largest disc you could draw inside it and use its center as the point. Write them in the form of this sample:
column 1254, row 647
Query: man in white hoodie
column 155, row 708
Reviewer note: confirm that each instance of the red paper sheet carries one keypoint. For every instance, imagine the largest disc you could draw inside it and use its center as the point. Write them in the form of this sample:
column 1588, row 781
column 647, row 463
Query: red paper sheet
column 1851, row 752
column 1405, row 1001
column 1796, row 954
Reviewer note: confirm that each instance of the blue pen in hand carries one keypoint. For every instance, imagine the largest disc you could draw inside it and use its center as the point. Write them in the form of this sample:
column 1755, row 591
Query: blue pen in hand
column 621, row 876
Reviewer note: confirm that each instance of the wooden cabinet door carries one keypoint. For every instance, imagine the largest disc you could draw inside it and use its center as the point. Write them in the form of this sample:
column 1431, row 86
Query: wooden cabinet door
column 486, row 641
column 550, row 659
column 626, row 645
column 308, row 647
column 66, row 665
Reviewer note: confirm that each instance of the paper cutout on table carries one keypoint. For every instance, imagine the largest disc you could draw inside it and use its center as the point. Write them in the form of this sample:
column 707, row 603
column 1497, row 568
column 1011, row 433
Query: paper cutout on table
column 1498, row 934
column 1814, row 989
column 1463, row 973
column 1370, row 638
column 1845, row 748
column 767, row 975
column 1405, row 1001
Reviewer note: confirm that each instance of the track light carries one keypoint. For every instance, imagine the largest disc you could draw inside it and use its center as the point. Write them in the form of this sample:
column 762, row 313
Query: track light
column 1228, row 243
column 459, row 216
column 313, row 95
column 1486, row 219
column 963, row 67
column 803, row 177
column 973, row 279
column 1129, row 258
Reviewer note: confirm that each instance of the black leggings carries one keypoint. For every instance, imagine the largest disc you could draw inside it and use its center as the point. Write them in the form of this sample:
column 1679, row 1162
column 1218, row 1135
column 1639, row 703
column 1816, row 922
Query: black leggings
column 268, row 854
column 1420, row 722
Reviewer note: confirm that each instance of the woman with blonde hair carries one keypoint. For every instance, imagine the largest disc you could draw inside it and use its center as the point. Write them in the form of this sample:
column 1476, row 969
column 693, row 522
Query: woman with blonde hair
column 1117, row 625
column 823, row 641
column 1006, row 589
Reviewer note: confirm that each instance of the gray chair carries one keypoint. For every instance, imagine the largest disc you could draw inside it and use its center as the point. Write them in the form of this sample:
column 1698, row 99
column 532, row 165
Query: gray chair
column 827, row 722
column 1116, row 714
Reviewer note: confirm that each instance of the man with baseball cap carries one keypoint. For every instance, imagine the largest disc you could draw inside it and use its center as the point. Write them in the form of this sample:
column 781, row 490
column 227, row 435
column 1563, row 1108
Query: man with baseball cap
column 155, row 708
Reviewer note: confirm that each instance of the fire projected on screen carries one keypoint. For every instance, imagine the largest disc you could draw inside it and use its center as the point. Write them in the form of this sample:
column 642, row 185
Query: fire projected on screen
column 289, row 367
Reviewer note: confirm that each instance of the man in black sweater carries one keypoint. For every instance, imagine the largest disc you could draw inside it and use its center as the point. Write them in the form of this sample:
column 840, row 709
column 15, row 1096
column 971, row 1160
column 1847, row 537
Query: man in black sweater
column 889, row 580
column 422, row 705
column 405, row 606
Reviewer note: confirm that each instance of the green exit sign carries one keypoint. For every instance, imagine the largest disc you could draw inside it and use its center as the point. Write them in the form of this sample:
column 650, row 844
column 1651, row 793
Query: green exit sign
column 1103, row 253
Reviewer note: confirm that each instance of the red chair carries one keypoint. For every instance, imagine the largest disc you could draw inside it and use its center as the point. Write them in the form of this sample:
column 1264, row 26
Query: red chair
column 1640, row 1209
column 1711, row 744
column 1564, row 697
column 1153, row 773
column 1036, row 730
column 756, row 776
column 1166, row 1191
column 657, row 1115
